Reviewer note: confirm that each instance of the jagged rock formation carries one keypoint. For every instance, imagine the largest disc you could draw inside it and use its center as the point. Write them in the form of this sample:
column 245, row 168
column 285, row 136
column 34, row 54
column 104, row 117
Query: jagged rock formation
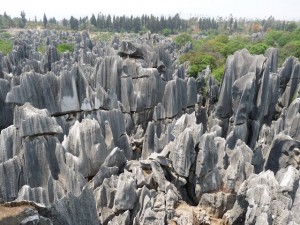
column 117, row 133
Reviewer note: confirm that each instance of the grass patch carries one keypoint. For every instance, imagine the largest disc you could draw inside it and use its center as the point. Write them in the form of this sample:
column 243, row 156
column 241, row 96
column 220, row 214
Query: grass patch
column 5, row 46
column 61, row 48
column 5, row 35
column 102, row 36
column 42, row 49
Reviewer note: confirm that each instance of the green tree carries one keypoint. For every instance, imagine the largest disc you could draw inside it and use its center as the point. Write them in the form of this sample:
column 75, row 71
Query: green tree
column 235, row 25
column 291, row 26
column 45, row 21
column 273, row 37
column 108, row 23
column 74, row 23
column 258, row 48
column 137, row 25
column 233, row 45
column 93, row 20
column 65, row 22
column 22, row 22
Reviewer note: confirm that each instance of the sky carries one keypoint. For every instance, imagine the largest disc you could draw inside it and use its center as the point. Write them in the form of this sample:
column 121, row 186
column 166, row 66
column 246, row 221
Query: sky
column 252, row 9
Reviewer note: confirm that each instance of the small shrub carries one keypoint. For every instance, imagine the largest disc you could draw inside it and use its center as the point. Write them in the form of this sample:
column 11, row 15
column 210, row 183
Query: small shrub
column 42, row 49
column 218, row 73
column 233, row 45
column 222, row 38
column 291, row 49
column 198, row 62
column 61, row 48
column 284, row 39
column 5, row 46
column 258, row 48
column 166, row 32
column 103, row 36
column 182, row 39
column 272, row 37
column 6, row 35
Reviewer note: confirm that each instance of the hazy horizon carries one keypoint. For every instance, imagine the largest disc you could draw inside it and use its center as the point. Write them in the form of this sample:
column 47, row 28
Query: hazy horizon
column 255, row 9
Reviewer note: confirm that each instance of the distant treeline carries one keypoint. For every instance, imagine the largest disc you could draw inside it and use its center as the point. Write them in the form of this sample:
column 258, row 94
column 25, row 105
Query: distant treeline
column 165, row 25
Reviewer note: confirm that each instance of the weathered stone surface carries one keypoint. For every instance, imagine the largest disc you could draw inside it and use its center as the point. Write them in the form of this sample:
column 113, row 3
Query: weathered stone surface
column 148, row 144
column 175, row 97
column 112, row 122
column 33, row 122
column 272, row 63
column 10, row 143
column 217, row 204
column 242, row 96
column 239, row 168
column 237, row 66
column 183, row 153
column 10, row 178
column 39, row 90
column 207, row 175
column 123, row 219
column 289, row 79
column 73, row 210
column 125, row 197
column 282, row 152
column 86, row 147
column 6, row 110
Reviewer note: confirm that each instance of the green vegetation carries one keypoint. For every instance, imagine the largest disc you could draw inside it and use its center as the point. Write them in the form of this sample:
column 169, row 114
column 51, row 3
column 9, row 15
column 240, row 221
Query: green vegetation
column 291, row 49
column 166, row 32
column 258, row 48
column 218, row 73
column 288, row 42
column 6, row 35
column 213, row 50
column 103, row 36
column 182, row 39
column 42, row 49
column 198, row 62
column 61, row 48
column 6, row 45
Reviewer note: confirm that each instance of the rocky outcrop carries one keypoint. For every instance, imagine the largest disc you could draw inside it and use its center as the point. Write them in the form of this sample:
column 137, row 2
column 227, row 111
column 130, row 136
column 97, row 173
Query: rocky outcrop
column 117, row 133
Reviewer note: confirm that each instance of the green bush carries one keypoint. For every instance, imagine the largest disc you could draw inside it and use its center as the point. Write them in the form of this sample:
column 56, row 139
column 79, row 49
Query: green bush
column 212, row 46
column 218, row 73
column 198, row 62
column 6, row 35
column 222, row 38
column 284, row 39
column 5, row 46
column 166, row 32
column 233, row 45
column 65, row 47
column 258, row 48
column 291, row 49
column 182, row 39
column 273, row 37
column 42, row 49
column 107, row 36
